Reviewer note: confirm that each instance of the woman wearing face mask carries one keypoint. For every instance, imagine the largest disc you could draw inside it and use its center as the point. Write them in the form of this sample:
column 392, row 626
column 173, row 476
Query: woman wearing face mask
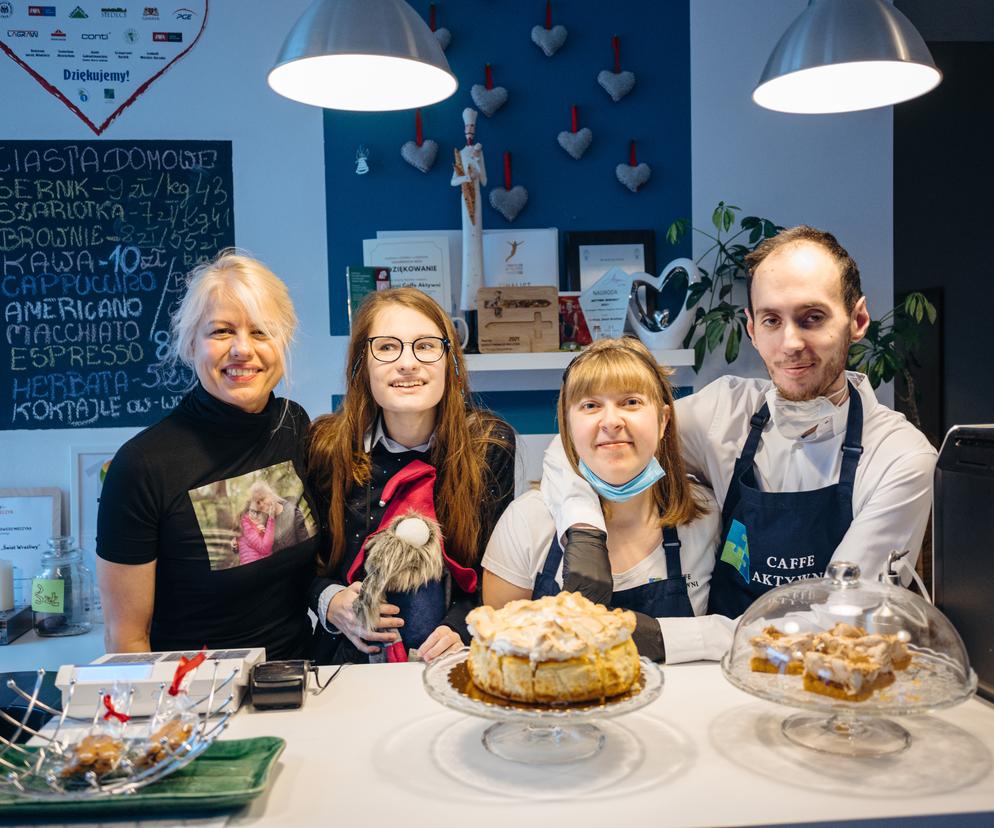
column 406, row 437
column 617, row 427
column 178, row 566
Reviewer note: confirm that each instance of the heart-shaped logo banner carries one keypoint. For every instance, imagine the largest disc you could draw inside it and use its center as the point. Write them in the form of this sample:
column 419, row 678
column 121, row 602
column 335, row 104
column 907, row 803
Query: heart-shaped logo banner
column 97, row 59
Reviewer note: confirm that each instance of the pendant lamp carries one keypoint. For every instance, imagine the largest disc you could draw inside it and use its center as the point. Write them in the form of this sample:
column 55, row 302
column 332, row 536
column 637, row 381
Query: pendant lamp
column 844, row 56
column 362, row 55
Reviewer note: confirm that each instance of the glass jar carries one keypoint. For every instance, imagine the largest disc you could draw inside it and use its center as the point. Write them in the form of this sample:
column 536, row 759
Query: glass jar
column 62, row 590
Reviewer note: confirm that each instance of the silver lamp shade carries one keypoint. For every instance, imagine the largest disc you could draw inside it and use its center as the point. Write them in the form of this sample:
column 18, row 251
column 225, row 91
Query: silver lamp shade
column 364, row 55
column 844, row 56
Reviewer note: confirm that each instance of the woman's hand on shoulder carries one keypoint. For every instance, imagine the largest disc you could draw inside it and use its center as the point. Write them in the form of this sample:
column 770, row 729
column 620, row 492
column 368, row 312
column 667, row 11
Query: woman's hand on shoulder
column 343, row 617
column 442, row 640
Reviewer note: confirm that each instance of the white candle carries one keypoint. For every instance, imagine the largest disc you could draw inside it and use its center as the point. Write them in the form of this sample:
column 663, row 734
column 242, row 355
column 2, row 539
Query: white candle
column 6, row 585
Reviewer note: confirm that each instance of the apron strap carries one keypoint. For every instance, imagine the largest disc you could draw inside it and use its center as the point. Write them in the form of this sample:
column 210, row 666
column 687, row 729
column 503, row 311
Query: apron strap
column 757, row 423
column 671, row 548
column 852, row 448
column 553, row 559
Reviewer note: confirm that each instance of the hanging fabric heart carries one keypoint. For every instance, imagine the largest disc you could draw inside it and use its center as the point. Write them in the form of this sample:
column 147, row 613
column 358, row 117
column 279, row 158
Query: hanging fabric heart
column 488, row 98
column 421, row 152
column 575, row 141
column 656, row 309
column 442, row 35
column 98, row 61
column 508, row 200
column 617, row 84
column 633, row 174
column 549, row 38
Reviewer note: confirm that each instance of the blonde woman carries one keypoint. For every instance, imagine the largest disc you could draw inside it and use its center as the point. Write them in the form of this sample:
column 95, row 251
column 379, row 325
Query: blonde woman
column 169, row 568
column 618, row 429
column 407, row 407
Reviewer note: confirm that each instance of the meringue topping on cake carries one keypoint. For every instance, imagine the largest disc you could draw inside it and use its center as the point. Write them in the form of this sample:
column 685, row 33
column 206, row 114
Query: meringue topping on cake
column 553, row 628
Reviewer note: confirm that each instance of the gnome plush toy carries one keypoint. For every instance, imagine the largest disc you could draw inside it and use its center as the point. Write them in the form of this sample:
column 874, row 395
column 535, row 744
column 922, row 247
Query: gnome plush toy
column 405, row 561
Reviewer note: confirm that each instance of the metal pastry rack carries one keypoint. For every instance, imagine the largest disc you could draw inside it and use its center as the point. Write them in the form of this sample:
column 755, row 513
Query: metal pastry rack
column 29, row 771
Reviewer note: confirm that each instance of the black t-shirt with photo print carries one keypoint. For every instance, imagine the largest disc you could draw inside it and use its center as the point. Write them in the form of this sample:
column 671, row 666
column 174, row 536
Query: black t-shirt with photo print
column 215, row 496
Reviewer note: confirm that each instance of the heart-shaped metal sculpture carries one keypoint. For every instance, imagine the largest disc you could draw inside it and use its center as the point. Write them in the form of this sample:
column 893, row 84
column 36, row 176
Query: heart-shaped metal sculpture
column 633, row 177
column 509, row 202
column 488, row 101
column 616, row 84
column 549, row 41
column 576, row 143
column 656, row 306
column 139, row 52
column 444, row 37
column 421, row 158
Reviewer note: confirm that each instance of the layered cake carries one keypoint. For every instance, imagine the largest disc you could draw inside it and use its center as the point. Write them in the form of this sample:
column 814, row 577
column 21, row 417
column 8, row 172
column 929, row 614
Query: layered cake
column 845, row 662
column 561, row 648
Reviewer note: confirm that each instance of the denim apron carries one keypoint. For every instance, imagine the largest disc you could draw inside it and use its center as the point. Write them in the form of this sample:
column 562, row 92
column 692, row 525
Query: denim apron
column 665, row 598
column 772, row 538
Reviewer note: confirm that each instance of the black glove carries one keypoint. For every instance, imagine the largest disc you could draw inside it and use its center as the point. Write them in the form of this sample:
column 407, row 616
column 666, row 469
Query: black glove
column 586, row 567
column 648, row 637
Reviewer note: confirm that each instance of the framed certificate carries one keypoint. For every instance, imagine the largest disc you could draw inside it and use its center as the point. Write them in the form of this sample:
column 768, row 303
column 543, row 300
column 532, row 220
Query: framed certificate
column 414, row 261
column 591, row 254
column 28, row 518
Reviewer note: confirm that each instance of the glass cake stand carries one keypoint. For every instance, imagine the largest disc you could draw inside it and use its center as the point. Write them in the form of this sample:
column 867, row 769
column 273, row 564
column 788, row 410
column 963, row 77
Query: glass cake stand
column 536, row 733
column 938, row 676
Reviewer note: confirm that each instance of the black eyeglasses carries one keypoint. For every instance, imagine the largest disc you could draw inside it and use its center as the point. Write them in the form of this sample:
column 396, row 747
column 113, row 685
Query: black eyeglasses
column 426, row 349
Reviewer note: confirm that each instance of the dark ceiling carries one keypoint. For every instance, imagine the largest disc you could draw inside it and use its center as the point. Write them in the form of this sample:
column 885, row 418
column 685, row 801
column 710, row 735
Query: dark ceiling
column 951, row 19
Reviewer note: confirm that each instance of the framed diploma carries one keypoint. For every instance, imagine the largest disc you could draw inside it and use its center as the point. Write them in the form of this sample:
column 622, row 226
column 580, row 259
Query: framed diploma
column 421, row 262
column 591, row 254
column 28, row 518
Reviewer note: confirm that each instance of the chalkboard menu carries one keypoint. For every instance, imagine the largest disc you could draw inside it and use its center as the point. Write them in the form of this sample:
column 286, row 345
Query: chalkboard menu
column 96, row 238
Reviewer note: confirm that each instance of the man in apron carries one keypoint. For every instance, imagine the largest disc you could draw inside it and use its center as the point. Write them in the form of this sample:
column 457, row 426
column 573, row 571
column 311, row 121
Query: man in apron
column 807, row 466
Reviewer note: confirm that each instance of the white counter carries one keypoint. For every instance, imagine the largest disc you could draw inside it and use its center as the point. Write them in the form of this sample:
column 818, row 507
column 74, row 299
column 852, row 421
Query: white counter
column 31, row 651
column 375, row 750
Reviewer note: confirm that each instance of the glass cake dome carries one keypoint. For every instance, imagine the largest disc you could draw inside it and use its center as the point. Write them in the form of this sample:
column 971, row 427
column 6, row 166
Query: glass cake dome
column 850, row 651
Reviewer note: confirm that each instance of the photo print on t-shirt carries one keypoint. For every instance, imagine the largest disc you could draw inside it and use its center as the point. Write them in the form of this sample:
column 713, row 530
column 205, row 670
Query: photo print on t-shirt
column 250, row 517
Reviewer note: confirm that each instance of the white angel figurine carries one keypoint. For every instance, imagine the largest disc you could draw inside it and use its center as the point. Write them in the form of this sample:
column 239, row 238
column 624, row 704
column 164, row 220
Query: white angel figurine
column 469, row 174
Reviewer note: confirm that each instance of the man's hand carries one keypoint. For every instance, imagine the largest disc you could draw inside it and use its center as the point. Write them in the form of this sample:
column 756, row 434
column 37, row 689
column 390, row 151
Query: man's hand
column 342, row 616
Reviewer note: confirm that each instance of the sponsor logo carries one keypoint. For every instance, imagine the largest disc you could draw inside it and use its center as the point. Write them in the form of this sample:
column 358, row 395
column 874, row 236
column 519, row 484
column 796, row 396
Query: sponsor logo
column 108, row 94
column 150, row 13
column 58, row 34
column 41, row 11
column 184, row 14
column 131, row 36
column 6, row 9
column 113, row 11
column 78, row 14
column 22, row 33
column 82, row 94
column 167, row 37
column 92, row 36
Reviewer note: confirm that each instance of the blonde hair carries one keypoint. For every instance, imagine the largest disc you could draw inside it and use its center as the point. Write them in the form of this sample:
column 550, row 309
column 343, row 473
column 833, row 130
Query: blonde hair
column 621, row 366
column 247, row 283
column 463, row 433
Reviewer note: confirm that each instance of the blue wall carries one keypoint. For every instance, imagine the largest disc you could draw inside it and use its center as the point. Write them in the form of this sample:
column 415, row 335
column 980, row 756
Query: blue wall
column 563, row 192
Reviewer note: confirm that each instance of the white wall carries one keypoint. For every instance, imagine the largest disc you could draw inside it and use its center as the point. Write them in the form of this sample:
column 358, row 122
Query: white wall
column 833, row 172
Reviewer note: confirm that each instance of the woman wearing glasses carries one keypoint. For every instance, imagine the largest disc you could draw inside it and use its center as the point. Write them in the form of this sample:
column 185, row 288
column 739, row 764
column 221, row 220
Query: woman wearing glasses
column 406, row 425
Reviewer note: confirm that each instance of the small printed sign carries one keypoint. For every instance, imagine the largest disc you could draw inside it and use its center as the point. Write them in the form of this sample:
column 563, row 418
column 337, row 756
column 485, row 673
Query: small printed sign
column 48, row 595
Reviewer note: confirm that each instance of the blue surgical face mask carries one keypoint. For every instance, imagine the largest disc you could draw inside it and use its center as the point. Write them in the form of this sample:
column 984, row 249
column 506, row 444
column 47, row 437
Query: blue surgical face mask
column 619, row 494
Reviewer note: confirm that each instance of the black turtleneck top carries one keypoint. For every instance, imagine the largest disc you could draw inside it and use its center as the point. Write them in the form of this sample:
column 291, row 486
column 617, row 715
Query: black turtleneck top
column 215, row 496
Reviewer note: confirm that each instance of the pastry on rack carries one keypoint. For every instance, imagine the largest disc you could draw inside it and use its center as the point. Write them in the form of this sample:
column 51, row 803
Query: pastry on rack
column 560, row 648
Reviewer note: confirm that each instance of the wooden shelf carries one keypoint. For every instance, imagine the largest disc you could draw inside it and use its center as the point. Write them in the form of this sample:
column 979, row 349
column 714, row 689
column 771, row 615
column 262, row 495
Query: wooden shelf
column 558, row 360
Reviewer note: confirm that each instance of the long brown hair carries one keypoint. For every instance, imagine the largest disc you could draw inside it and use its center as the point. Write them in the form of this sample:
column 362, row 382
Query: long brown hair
column 625, row 365
column 338, row 459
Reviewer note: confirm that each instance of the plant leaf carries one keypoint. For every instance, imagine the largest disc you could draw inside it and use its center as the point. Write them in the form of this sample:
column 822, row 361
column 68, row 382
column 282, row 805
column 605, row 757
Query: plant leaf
column 699, row 354
column 677, row 230
column 732, row 346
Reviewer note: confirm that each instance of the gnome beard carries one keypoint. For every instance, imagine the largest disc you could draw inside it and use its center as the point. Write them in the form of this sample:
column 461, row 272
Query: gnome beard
column 403, row 561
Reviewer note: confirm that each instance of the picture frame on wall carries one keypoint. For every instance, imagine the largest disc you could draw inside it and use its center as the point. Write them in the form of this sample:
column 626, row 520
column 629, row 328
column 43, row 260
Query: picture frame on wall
column 87, row 468
column 592, row 253
column 28, row 518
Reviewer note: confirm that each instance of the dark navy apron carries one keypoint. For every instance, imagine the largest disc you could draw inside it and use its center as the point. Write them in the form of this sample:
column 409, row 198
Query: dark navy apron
column 773, row 538
column 666, row 598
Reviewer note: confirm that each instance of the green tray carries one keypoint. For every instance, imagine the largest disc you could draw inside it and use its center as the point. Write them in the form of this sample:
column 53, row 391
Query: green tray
column 228, row 774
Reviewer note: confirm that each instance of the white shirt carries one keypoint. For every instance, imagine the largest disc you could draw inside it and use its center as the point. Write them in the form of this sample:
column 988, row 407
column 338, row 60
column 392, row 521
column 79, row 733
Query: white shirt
column 520, row 545
column 892, row 493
